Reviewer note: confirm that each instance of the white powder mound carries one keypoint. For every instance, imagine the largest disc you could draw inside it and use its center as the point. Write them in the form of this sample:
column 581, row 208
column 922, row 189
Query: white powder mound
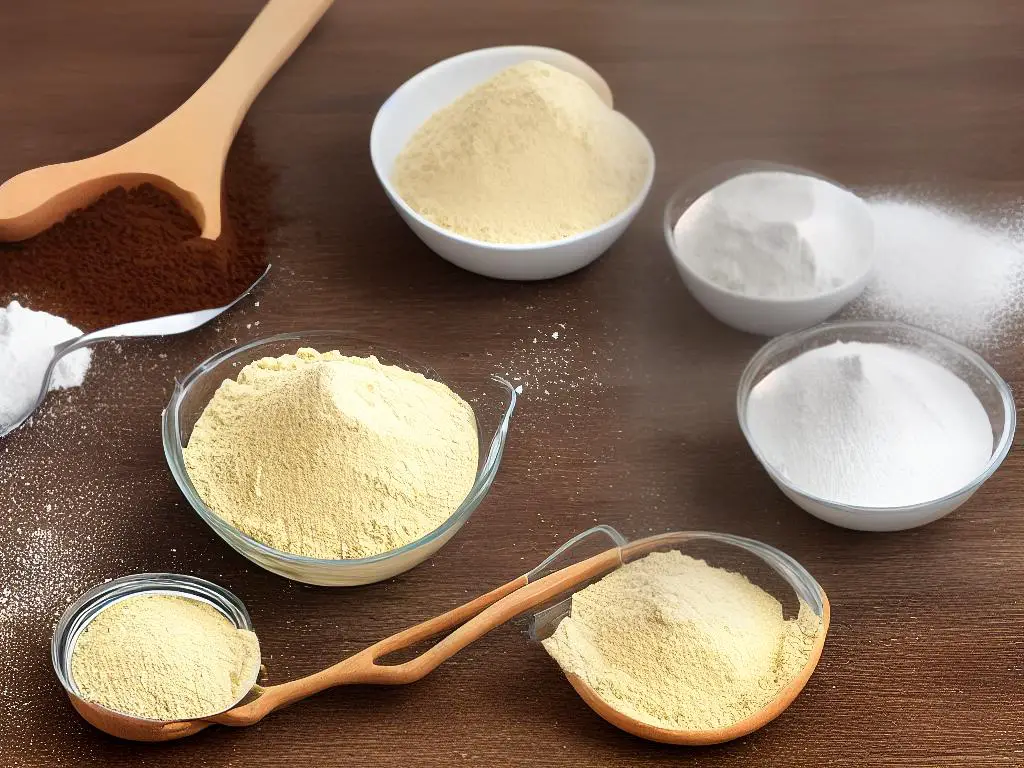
column 873, row 425
column 775, row 235
column 944, row 272
column 27, row 339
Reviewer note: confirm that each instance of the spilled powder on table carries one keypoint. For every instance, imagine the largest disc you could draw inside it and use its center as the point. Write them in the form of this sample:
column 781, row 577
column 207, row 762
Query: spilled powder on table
column 957, row 270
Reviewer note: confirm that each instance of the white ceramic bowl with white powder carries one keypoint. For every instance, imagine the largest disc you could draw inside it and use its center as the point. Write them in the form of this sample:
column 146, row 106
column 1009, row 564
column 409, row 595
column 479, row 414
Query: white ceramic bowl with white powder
column 438, row 86
column 768, row 248
column 985, row 389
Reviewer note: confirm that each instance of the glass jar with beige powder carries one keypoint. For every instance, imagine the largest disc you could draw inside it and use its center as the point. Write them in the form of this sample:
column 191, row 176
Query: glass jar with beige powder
column 367, row 398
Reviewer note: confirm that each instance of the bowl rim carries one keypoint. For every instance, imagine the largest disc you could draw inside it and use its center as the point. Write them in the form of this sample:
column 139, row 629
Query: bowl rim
column 84, row 609
column 415, row 81
column 174, row 456
column 787, row 340
column 705, row 181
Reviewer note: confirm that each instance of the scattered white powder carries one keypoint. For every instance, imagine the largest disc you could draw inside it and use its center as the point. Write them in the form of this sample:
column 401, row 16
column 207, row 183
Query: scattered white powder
column 27, row 339
column 869, row 424
column 775, row 235
column 550, row 363
column 943, row 271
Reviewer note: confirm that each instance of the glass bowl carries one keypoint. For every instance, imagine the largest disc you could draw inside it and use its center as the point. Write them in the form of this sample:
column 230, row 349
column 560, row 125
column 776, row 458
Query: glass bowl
column 80, row 614
column 769, row 316
column 772, row 570
column 493, row 404
column 987, row 385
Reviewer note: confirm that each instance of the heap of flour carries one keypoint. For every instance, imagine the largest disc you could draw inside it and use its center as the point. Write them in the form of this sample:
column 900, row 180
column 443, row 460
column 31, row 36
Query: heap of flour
column 27, row 339
column 164, row 657
column 530, row 155
column 331, row 456
column 871, row 425
column 773, row 234
column 676, row 643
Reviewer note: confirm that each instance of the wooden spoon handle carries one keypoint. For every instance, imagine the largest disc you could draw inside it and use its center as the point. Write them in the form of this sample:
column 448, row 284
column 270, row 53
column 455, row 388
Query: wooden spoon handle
column 477, row 618
column 272, row 37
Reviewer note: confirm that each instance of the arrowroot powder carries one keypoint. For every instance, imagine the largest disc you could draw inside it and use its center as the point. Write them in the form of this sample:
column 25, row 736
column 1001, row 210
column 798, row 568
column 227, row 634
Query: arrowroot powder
column 676, row 643
column 331, row 456
column 163, row 657
column 530, row 155
column 871, row 425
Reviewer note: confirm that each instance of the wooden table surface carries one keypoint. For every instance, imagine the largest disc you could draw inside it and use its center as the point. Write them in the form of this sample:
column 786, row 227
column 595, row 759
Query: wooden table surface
column 629, row 414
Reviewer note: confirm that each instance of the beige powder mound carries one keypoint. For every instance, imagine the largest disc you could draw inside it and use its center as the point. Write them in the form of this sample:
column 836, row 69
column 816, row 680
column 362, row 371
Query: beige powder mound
column 530, row 155
column 679, row 644
column 164, row 657
column 331, row 456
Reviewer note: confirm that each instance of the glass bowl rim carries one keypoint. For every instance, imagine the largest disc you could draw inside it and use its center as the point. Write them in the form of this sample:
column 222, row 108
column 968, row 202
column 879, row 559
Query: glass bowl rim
column 804, row 586
column 708, row 179
column 176, row 462
column 795, row 338
column 226, row 601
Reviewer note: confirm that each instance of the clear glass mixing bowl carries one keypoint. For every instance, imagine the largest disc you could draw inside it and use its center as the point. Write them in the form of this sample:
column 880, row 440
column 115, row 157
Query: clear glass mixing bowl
column 987, row 385
column 493, row 402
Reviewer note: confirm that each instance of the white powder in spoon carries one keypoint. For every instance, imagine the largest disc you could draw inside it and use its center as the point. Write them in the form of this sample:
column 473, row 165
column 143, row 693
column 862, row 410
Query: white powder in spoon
column 27, row 339
column 872, row 425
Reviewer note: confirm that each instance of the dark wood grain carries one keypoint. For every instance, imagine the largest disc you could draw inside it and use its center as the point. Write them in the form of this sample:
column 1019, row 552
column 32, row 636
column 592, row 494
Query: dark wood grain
column 637, row 427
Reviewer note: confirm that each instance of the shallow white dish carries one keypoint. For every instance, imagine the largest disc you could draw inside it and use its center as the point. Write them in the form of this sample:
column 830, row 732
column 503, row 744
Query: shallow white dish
column 441, row 84
column 755, row 314
column 987, row 385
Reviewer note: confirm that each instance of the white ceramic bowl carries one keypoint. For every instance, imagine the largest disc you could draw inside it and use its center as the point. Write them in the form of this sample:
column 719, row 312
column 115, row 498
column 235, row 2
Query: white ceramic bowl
column 987, row 385
column 441, row 84
column 754, row 314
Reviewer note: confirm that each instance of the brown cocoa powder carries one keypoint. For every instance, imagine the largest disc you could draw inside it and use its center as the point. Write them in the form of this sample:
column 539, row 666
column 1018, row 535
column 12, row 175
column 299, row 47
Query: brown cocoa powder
column 136, row 253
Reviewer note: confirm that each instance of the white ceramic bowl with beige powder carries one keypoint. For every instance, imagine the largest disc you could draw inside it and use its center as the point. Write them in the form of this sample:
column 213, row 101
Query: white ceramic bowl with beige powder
column 492, row 402
column 409, row 107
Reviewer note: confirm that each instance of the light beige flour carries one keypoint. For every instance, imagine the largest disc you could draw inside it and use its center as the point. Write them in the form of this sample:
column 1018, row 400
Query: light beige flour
column 331, row 456
column 530, row 155
column 679, row 644
column 164, row 657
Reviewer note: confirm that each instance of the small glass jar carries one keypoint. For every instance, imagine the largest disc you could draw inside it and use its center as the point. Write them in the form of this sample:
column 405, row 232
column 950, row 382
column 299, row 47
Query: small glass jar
column 81, row 613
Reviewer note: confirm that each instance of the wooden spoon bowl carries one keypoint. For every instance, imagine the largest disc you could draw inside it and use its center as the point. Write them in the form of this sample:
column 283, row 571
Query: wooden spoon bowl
column 183, row 154
column 744, row 727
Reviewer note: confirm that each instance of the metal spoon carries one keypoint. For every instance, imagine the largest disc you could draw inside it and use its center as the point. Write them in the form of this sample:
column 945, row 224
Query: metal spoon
column 169, row 325
column 469, row 622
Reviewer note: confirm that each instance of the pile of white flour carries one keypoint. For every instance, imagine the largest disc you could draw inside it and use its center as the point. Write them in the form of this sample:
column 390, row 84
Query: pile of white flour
column 27, row 339
column 774, row 235
column 871, row 425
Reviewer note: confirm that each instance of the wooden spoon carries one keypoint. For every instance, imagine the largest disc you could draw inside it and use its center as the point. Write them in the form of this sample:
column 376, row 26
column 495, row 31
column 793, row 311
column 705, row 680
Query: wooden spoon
column 473, row 620
column 184, row 153
column 477, row 618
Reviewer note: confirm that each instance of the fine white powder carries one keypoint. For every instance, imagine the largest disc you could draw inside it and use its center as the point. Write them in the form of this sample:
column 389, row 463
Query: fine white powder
column 27, row 339
column 775, row 235
column 871, row 425
column 944, row 272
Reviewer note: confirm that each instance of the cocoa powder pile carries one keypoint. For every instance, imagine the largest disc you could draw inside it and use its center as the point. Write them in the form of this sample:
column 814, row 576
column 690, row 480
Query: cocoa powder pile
column 136, row 254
